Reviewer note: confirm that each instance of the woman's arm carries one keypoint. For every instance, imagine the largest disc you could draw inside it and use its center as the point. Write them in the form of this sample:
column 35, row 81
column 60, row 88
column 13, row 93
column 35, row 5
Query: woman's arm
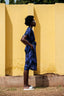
column 23, row 39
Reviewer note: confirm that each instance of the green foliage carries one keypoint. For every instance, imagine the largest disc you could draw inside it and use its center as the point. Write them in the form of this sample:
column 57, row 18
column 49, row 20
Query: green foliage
column 51, row 1
column 61, row 1
column 2, row 1
column 19, row 1
column 24, row 1
column 11, row 2
column 33, row 1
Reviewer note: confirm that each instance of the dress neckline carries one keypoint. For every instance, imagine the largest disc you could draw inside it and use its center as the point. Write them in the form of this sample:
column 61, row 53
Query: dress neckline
column 30, row 28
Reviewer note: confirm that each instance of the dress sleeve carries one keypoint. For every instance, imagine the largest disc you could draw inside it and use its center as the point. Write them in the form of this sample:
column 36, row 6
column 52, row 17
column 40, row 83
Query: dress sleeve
column 27, row 32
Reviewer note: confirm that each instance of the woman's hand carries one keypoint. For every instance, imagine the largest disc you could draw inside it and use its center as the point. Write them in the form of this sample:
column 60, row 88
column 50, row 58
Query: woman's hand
column 23, row 39
column 31, row 46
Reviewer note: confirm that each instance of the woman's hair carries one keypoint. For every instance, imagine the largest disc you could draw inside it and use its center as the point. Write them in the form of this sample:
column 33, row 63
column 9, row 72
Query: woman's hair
column 28, row 20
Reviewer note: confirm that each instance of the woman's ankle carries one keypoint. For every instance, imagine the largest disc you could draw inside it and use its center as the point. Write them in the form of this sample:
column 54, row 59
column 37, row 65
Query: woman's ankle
column 25, row 85
column 29, row 85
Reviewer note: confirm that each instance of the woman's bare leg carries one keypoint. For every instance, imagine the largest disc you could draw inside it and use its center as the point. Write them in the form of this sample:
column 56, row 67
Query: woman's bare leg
column 26, row 76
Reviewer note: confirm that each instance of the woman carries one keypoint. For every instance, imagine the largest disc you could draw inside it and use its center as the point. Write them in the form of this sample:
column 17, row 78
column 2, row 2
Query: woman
column 30, row 50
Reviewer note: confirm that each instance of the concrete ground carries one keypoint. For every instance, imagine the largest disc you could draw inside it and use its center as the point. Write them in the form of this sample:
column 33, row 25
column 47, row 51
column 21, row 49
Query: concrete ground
column 39, row 91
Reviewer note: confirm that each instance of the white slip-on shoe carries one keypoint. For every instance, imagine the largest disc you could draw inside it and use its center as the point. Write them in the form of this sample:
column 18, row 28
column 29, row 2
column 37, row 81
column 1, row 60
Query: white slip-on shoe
column 30, row 88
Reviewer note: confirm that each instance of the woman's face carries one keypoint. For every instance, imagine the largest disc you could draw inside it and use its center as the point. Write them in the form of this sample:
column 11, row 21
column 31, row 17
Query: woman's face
column 33, row 23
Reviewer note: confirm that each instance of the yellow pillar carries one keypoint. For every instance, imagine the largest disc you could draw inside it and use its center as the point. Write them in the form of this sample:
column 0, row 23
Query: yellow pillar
column 30, row 9
column 31, row 12
column 45, row 37
column 15, row 28
column 2, row 39
column 59, row 38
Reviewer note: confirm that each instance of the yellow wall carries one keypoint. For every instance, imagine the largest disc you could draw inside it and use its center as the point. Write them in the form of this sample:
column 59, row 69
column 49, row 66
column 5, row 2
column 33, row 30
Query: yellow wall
column 48, row 34
column 59, row 38
column 15, row 28
column 46, row 38
column 2, row 39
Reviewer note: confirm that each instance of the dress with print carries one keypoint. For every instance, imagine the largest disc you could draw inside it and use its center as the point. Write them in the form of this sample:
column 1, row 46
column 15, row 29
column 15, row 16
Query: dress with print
column 30, row 54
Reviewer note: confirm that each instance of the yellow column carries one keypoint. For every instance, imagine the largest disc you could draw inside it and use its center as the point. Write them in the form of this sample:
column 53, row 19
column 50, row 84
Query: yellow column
column 30, row 9
column 45, row 37
column 47, row 40
column 2, row 39
column 31, row 12
column 15, row 28
column 59, row 38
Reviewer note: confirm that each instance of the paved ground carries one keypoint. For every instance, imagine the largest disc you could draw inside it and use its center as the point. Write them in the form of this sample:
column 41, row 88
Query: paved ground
column 47, row 91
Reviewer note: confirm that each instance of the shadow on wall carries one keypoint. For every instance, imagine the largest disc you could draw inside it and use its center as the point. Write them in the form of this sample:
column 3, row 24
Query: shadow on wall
column 9, row 45
column 45, row 81
column 41, row 80
column 37, row 39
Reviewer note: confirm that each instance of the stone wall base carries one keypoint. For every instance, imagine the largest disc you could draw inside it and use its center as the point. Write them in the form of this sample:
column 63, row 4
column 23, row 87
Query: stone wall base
column 45, row 80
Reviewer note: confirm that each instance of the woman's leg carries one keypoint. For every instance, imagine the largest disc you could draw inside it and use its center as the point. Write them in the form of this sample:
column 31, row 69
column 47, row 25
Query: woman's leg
column 26, row 76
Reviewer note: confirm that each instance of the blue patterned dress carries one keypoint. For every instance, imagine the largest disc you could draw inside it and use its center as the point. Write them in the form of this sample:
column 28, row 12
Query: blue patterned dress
column 30, row 54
